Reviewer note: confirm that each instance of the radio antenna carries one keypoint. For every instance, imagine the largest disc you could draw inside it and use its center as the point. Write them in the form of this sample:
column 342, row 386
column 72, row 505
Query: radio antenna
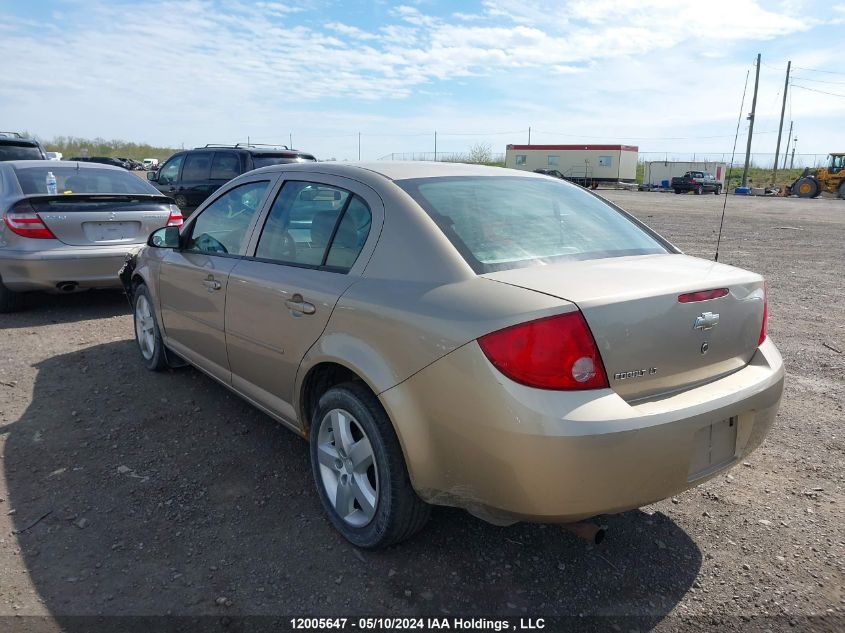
column 730, row 167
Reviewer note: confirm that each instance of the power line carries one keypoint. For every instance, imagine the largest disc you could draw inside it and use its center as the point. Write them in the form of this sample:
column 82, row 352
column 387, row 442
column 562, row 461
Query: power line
column 820, row 81
column 645, row 138
column 832, row 94
column 816, row 70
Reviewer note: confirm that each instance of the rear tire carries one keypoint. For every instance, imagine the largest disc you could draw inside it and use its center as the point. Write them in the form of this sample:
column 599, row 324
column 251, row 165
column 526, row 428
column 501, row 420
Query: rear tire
column 806, row 187
column 678, row 191
column 181, row 201
column 147, row 334
column 355, row 454
column 10, row 301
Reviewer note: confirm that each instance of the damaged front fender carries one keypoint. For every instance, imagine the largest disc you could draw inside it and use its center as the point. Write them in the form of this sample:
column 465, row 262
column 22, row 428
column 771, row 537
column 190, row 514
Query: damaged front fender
column 125, row 274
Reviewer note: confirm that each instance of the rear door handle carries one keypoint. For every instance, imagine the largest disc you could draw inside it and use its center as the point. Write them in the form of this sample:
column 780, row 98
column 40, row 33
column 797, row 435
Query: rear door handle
column 211, row 283
column 297, row 304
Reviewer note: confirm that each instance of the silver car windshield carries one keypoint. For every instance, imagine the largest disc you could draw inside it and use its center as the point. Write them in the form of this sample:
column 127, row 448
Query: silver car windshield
column 513, row 222
column 33, row 180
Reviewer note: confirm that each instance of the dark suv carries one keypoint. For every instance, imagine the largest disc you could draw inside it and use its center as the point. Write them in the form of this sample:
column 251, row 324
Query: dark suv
column 14, row 146
column 191, row 176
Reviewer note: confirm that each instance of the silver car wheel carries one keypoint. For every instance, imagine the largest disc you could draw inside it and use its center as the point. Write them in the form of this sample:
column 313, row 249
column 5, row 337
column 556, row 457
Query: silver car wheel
column 347, row 467
column 144, row 327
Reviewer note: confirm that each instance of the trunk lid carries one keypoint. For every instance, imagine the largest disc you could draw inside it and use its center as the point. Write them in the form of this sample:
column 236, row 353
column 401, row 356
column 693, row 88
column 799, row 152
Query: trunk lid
column 647, row 338
column 102, row 219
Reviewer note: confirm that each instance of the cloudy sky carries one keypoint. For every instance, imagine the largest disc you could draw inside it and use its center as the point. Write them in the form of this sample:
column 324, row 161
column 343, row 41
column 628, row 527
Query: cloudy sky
column 666, row 75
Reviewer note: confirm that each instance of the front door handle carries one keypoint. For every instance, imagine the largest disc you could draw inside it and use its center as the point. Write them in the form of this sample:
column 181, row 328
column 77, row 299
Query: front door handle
column 211, row 283
column 298, row 304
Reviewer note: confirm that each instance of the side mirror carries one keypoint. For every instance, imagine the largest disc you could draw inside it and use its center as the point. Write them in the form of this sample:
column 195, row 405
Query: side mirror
column 165, row 237
column 152, row 175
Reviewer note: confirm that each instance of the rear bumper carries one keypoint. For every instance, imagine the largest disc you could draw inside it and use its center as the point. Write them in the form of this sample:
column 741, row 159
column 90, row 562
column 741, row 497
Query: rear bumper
column 89, row 267
column 506, row 452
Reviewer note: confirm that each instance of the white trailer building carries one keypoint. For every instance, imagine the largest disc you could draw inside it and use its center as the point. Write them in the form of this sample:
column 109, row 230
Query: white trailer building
column 601, row 163
column 660, row 172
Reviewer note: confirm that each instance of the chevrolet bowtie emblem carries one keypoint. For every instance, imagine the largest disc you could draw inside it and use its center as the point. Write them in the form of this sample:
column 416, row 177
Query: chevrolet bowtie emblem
column 706, row 321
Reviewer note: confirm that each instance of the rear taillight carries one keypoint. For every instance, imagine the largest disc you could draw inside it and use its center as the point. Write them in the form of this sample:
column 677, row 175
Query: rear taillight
column 175, row 218
column 24, row 221
column 557, row 352
column 765, row 314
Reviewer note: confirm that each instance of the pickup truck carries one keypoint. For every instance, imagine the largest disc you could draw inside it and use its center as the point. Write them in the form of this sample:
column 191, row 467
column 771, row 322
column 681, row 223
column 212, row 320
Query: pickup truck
column 697, row 181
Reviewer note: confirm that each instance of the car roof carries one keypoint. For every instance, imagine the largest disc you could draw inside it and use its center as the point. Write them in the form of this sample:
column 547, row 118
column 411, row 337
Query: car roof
column 397, row 170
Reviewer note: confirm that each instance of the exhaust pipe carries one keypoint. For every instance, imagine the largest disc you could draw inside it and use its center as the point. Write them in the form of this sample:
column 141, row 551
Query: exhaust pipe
column 67, row 286
column 590, row 532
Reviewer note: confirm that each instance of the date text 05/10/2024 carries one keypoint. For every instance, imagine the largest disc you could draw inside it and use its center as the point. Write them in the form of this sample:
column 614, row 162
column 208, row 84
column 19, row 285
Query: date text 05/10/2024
column 419, row 624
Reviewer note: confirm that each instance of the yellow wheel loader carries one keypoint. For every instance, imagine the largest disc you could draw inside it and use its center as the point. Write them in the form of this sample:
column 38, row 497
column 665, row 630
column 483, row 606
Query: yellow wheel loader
column 830, row 179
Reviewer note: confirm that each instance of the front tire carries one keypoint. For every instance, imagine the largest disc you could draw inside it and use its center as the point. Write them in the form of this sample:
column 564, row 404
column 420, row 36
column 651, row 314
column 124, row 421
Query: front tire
column 806, row 187
column 10, row 301
column 699, row 190
column 181, row 201
column 147, row 334
column 717, row 190
column 678, row 191
column 841, row 190
column 360, row 471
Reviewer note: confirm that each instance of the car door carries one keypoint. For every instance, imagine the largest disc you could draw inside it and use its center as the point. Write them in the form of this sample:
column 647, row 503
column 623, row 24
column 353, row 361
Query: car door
column 193, row 278
column 168, row 175
column 195, row 183
column 313, row 244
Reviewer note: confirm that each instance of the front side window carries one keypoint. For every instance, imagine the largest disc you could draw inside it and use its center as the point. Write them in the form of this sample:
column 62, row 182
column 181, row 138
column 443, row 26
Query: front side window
column 170, row 172
column 507, row 222
column 197, row 166
column 315, row 225
column 221, row 228
column 521, row 159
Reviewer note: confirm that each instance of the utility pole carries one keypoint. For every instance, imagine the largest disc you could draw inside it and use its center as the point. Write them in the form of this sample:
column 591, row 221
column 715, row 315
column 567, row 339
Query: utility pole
column 751, row 125
column 780, row 129
column 529, row 135
column 792, row 160
column 359, row 146
column 786, row 151
column 290, row 140
column 435, row 145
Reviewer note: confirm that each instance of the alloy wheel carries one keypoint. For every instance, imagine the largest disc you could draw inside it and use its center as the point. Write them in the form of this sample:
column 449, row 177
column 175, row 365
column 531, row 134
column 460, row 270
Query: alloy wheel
column 347, row 467
column 144, row 327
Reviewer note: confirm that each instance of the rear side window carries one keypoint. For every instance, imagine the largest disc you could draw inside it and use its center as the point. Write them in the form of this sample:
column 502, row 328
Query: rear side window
column 499, row 223
column 225, row 166
column 221, row 228
column 33, row 180
column 19, row 151
column 197, row 166
column 315, row 225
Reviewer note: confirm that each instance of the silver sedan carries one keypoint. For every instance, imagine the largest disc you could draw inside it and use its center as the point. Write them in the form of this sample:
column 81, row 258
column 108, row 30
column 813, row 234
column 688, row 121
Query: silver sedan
column 68, row 226
column 451, row 334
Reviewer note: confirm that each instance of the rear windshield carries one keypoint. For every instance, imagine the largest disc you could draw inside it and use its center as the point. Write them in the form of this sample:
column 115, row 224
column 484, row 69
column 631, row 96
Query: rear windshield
column 499, row 223
column 24, row 151
column 33, row 180
column 264, row 160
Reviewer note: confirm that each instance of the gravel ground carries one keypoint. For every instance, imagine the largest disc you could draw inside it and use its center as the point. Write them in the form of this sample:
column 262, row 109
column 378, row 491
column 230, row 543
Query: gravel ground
column 124, row 492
